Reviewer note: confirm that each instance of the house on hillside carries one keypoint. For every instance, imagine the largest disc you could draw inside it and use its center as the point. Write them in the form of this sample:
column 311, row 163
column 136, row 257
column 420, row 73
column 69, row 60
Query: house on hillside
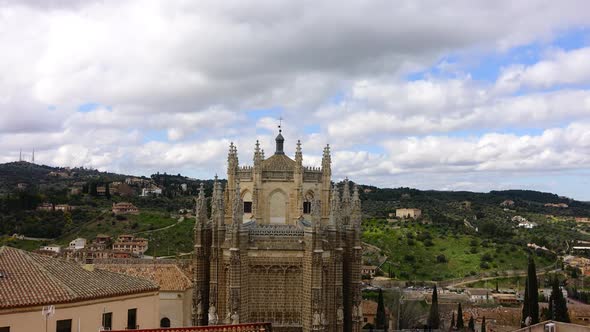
column 45, row 207
column 479, row 295
column 151, row 191
column 77, row 244
column 63, row 207
column 408, row 213
column 369, row 270
column 131, row 244
column 527, row 224
column 52, row 248
column 507, row 203
column 556, row 205
column 369, row 311
column 124, row 208
column 519, row 219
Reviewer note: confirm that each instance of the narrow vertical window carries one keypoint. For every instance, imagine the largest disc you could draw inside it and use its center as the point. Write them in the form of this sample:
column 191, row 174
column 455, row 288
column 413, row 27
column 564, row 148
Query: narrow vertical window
column 306, row 207
column 132, row 319
column 107, row 321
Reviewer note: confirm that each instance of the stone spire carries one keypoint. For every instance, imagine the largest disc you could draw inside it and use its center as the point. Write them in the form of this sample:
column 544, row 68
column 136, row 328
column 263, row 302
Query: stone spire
column 232, row 156
column 326, row 159
column 334, row 207
column 201, row 208
column 217, row 203
column 298, row 154
column 257, row 154
column 232, row 165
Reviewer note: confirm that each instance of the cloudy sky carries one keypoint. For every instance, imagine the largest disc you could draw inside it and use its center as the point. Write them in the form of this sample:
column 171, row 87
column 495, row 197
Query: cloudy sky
column 472, row 95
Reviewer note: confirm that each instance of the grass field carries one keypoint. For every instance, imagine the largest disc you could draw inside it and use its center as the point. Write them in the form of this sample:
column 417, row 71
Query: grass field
column 114, row 226
column 21, row 244
column 427, row 252
column 177, row 239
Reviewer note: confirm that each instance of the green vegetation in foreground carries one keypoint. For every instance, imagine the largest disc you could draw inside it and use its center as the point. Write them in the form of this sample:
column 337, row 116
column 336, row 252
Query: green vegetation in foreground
column 438, row 252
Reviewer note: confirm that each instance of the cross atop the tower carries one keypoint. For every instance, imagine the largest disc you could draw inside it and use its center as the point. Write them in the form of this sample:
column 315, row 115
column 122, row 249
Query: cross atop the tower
column 280, row 124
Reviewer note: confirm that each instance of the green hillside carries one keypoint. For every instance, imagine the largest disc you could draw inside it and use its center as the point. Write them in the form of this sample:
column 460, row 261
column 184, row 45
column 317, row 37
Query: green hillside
column 459, row 233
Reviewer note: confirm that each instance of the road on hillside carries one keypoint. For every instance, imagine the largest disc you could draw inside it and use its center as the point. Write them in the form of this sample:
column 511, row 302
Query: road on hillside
column 181, row 219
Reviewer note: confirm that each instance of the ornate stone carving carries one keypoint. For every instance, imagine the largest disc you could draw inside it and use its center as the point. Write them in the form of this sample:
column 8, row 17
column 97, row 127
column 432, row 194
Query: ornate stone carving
column 235, row 318
column 339, row 315
column 213, row 318
column 317, row 320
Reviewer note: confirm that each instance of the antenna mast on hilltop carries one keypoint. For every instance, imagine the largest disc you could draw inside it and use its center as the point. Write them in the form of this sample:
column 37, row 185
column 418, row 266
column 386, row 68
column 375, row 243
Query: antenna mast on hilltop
column 33, row 157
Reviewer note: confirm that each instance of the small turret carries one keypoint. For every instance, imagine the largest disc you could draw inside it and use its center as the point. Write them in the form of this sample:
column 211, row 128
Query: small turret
column 327, row 161
column 298, row 154
column 257, row 154
column 280, row 140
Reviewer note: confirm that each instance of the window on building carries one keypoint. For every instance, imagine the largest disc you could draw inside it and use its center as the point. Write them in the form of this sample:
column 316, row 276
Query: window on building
column 107, row 321
column 247, row 207
column 306, row 207
column 64, row 325
column 132, row 319
column 5, row 329
column 165, row 322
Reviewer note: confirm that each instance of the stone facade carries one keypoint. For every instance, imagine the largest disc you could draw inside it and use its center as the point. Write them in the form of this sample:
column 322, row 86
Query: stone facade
column 281, row 245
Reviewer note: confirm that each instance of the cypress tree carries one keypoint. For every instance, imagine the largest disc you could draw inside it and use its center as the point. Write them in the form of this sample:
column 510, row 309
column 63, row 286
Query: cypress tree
column 460, row 324
column 525, row 304
column 533, row 292
column 107, row 191
column 471, row 325
column 558, row 304
column 380, row 318
column 433, row 317
column 531, row 295
column 483, row 324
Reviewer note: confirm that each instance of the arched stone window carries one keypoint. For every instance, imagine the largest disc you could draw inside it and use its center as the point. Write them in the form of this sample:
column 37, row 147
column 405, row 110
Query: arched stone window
column 165, row 322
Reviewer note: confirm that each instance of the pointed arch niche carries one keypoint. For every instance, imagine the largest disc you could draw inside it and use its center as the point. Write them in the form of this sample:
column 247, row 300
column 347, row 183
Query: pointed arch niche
column 278, row 207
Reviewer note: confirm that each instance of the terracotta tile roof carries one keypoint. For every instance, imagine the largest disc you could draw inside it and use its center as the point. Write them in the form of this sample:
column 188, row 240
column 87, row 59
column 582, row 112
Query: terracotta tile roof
column 32, row 279
column 169, row 276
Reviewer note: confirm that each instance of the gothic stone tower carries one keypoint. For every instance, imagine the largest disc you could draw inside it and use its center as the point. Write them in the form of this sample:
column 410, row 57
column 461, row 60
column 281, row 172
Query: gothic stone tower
column 281, row 245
